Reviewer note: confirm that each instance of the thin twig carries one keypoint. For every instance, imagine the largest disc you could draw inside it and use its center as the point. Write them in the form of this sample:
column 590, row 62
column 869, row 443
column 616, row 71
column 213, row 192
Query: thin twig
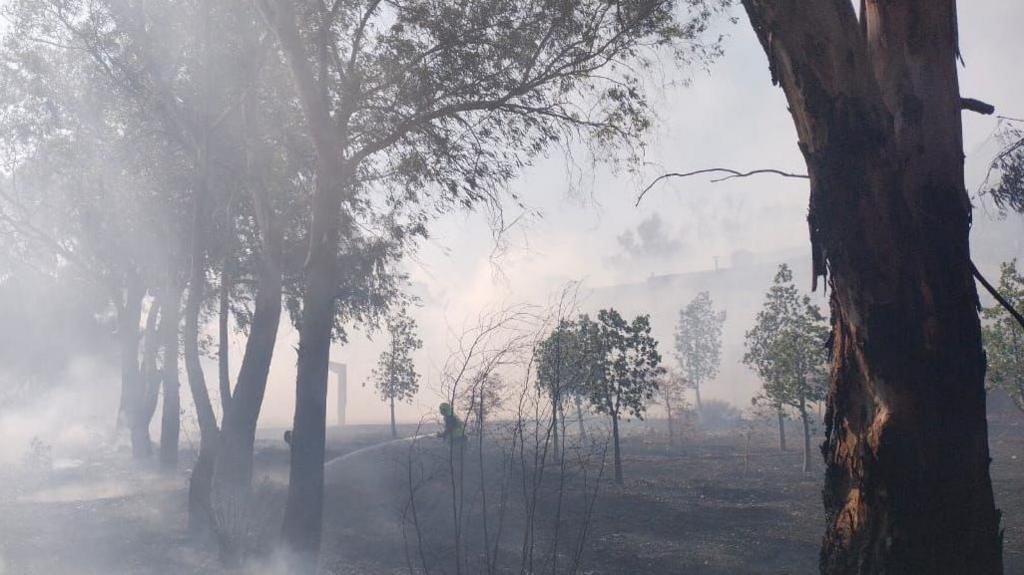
column 730, row 175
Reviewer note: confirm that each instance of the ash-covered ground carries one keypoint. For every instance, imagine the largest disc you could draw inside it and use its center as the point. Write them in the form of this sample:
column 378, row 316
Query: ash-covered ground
column 713, row 505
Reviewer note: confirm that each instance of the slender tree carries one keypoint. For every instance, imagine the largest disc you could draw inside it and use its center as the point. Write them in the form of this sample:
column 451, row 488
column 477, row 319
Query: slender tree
column 562, row 368
column 699, row 342
column 786, row 347
column 630, row 370
column 875, row 100
column 672, row 392
column 395, row 376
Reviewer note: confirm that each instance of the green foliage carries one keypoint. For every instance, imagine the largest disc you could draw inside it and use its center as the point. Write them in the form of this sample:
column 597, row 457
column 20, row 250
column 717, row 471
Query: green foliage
column 1007, row 188
column 568, row 360
column 441, row 103
column 1004, row 337
column 395, row 376
column 699, row 340
column 630, row 365
column 786, row 346
column 672, row 390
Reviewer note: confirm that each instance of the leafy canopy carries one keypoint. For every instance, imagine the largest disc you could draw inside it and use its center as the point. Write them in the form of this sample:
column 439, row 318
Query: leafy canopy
column 395, row 376
column 630, row 362
column 786, row 346
column 699, row 339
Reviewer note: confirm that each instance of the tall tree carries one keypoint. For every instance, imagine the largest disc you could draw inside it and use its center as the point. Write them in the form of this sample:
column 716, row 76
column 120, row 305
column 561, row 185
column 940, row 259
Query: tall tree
column 876, row 104
column 699, row 341
column 395, row 376
column 1004, row 338
column 786, row 347
column 442, row 97
column 98, row 174
column 631, row 368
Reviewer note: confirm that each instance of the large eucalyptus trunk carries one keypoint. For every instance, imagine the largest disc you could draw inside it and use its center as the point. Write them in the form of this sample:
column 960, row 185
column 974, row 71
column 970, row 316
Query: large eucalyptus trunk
column 877, row 111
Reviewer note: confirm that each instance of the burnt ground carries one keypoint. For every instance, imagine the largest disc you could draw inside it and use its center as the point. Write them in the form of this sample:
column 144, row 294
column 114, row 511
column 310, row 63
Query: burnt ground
column 704, row 508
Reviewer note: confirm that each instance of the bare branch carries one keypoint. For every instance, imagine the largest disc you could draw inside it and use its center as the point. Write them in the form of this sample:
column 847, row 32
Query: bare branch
column 730, row 175
column 998, row 296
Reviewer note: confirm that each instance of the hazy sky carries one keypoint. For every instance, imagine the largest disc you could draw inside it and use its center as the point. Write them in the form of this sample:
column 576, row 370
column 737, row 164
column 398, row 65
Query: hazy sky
column 590, row 230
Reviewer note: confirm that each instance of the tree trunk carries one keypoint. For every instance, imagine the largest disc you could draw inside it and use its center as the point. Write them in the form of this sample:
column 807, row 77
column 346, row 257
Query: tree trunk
column 132, row 384
column 200, row 512
column 200, row 484
column 782, row 429
column 617, row 453
column 671, row 424
column 233, row 468
column 170, row 419
column 579, row 419
column 877, row 110
column 223, row 353
column 304, row 507
column 394, row 430
column 150, row 379
column 807, row 438
column 302, row 525
column 556, row 452
column 696, row 393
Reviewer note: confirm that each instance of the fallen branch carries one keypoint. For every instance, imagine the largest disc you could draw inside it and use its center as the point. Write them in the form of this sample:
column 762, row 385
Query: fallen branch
column 730, row 175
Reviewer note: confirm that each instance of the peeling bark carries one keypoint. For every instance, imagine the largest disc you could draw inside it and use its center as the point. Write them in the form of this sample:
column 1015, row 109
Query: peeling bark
column 877, row 112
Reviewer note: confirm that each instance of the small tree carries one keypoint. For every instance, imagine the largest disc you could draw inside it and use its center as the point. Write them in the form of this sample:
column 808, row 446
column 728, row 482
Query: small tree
column 482, row 398
column 699, row 341
column 672, row 392
column 1004, row 339
column 565, row 363
column 630, row 369
column 395, row 376
column 786, row 347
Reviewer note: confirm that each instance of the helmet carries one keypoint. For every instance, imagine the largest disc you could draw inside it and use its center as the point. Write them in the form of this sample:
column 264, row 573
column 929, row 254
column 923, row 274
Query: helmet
column 445, row 408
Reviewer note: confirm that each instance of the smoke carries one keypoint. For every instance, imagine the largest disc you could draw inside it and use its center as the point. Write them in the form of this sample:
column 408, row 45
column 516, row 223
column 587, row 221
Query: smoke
column 72, row 418
column 650, row 239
